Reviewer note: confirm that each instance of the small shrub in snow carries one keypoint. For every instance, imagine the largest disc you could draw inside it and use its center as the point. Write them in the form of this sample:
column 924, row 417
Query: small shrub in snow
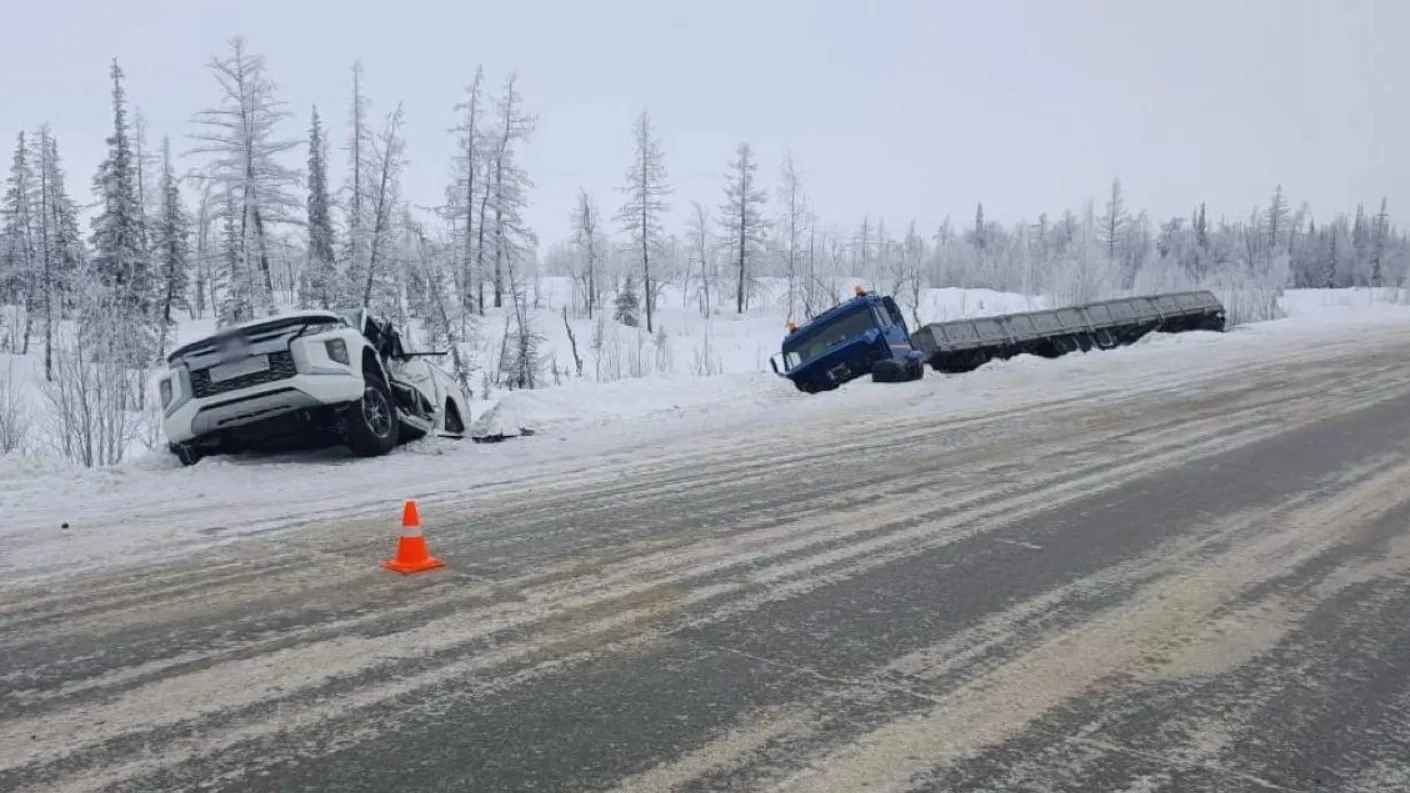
column 14, row 413
column 665, row 362
column 90, row 423
column 707, row 361
column 636, row 354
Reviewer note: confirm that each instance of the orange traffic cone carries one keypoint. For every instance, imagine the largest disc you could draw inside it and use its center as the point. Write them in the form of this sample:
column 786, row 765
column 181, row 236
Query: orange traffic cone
column 411, row 555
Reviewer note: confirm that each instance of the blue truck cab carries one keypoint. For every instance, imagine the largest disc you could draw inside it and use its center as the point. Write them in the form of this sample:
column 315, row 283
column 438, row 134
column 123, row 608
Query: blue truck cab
column 865, row 334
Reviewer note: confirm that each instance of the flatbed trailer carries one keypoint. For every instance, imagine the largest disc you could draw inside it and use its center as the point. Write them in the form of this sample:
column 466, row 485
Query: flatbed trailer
column 867, row 334
column 963, row 345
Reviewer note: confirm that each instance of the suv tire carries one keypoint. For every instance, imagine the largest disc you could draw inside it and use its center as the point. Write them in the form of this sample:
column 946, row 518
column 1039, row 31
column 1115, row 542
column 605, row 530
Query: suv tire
column 372, row 427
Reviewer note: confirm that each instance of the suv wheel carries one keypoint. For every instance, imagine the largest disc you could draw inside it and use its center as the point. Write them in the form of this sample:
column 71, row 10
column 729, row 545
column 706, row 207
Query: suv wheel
column 188, row 455
column 372, row 425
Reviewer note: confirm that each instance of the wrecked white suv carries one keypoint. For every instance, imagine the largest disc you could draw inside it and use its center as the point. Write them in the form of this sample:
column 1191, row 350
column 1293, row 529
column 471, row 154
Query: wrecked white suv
column 301, row 377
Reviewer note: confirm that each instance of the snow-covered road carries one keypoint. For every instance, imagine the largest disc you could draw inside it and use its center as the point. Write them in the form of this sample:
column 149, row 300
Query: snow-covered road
column 1184, row 566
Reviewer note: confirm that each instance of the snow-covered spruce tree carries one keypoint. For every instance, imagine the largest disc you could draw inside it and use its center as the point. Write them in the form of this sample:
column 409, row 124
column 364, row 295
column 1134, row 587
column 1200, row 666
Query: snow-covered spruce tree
column 742, row 220
column 19, row 254
column 229, row 277
column 118, row 316
column 1380, row 227
column 626, row 305
column 319, row 286
column 61, row 251
column 240, row 139
column 640, row 215
column 171, row 248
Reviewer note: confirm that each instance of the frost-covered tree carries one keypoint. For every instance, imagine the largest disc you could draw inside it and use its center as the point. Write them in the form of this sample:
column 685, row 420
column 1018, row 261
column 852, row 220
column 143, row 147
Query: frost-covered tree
column 816, row 286
column 523, row 361
column 359, row 150
column 466, row 189
column 18, row 248
column 377, row 280
column 208, row 231
column 60, row 246
column 1379, row 235
column 794, row 225
column 320, row 282
column 119, row 313
column 146, row 173
column 428, row 279
column 511, row 237
column 591, row 246
column 240, row 139
column 1113, row 222
column 1278, row 218
column 861, row 248
column 700, row 245
column 646, row 190
column 910, row 272
column 742, row 219
column 171, row 248
column 626, row 304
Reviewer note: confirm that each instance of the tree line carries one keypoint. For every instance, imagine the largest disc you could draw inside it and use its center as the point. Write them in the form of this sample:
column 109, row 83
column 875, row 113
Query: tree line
column 246, row 215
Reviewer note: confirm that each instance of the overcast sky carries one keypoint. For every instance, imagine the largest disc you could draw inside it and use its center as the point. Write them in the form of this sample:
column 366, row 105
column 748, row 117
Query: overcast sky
column 899, row 108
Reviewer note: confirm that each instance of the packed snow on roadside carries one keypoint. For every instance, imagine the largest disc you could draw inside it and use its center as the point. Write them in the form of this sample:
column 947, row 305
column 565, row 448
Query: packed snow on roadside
column 152, row 508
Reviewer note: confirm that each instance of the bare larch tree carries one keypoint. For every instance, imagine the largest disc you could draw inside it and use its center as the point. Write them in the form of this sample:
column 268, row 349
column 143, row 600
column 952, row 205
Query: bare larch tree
column 743, row 219
column 640, row 215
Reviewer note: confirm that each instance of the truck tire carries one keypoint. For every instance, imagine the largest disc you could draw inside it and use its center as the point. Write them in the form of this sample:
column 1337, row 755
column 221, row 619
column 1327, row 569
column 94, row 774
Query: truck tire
column 372, row 427
column 891, row 370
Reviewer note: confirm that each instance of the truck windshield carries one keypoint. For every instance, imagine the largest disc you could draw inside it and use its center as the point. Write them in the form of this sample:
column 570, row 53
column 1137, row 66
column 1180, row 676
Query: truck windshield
column 811, row 342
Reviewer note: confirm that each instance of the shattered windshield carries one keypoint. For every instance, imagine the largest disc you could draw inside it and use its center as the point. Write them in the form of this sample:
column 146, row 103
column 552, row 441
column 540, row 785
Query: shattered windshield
column 814, row 341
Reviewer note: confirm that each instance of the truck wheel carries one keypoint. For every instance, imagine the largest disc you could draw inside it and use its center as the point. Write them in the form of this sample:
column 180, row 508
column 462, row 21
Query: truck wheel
column 916, row 369
column 890, row 370
column 372, row 426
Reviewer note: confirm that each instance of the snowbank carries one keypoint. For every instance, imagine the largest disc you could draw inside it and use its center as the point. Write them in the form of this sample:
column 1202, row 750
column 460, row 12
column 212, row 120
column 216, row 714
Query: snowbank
column 153, row 508
column 625, row 402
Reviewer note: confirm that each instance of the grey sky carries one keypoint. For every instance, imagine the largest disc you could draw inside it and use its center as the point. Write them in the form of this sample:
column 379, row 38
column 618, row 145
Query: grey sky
column 905, row 109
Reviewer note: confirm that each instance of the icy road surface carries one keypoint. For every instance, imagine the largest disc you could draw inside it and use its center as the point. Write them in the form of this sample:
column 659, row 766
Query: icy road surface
column 1203, row 585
